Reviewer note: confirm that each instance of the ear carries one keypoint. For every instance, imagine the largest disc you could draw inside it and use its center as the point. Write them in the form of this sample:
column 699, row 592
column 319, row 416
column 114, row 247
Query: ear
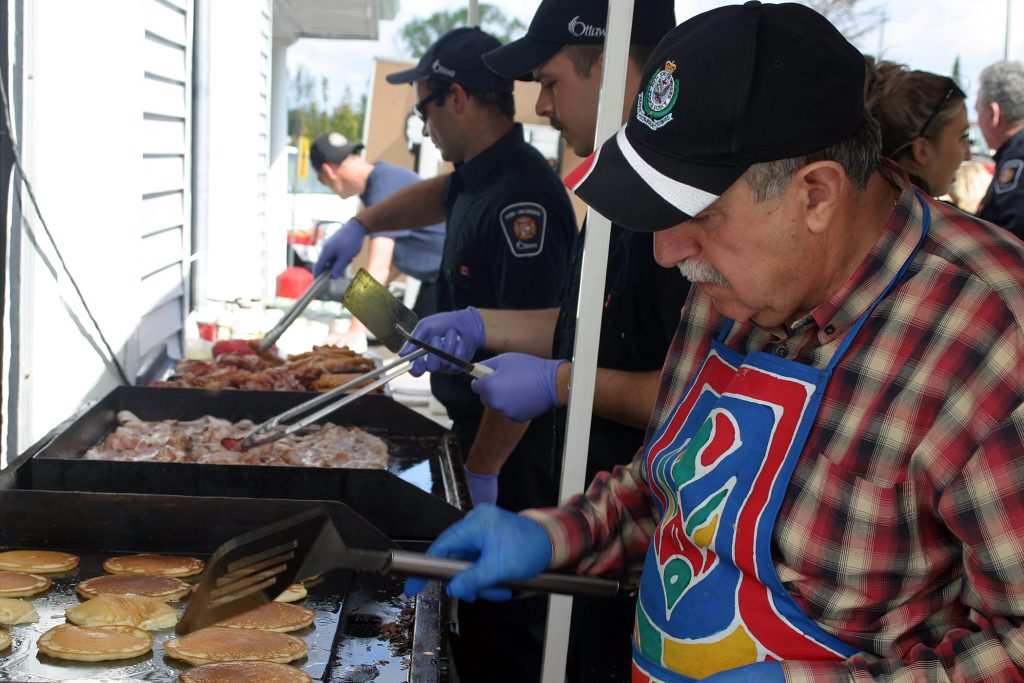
column 820, row 185
column 457, row 98
column 921, row 150
column 997, row 113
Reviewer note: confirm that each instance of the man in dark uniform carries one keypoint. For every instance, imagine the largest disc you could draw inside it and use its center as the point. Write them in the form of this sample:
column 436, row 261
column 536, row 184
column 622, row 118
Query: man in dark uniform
column 510, row 228
column 417, row 253
column 1000, row 109
column 563, row 50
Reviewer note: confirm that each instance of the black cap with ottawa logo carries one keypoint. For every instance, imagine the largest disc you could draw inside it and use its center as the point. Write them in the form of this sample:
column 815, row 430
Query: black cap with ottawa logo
column 729, row 88
column 457, row 57
column 558, row 23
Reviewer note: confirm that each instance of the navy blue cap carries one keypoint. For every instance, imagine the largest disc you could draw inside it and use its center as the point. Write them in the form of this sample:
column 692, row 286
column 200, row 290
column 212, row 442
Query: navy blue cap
column 558, row 23
column 456, row 57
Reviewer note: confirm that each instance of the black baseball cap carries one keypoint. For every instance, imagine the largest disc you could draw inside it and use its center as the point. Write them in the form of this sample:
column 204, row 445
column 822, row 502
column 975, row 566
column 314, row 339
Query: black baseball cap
column 455, row 57
column 729, row 88
column 558, row 23
column 332, row 147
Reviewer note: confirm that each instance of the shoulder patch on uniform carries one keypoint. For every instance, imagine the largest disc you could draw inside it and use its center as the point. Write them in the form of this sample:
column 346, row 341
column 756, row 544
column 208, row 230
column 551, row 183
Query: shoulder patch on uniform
column 523, row 225
column 1008, row 175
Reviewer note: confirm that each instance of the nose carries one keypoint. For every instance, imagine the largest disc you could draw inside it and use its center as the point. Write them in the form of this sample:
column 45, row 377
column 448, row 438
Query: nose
column 674, row 245
column 543, row 106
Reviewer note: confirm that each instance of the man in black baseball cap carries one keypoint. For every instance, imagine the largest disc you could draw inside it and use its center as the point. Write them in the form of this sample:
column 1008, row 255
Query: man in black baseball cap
column 564, row 53
column 832, row 471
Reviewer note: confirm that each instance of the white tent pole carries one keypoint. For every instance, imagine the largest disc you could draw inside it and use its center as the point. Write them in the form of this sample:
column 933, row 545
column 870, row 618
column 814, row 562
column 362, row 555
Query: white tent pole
column 588, row 322
column 474, row 13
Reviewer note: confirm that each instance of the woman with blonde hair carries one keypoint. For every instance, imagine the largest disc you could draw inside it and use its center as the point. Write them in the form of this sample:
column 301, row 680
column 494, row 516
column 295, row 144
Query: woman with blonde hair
column 923, row 117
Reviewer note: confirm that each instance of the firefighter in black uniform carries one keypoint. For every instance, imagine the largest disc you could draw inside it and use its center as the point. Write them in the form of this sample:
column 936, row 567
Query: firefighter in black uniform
column 563, row 51
column 510, row 231
column 1000, row 109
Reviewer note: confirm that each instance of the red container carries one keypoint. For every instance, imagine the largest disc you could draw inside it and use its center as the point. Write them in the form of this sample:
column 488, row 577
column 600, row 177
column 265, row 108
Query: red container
column 293, row 282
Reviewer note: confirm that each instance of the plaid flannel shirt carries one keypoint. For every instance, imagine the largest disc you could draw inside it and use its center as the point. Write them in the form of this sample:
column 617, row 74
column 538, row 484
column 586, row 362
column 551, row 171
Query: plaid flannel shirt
column 902, row 531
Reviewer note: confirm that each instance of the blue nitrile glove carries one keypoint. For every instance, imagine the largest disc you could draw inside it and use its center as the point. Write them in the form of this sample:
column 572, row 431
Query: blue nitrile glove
column 459, row 333
column 482, row 487
column 521, row 387
column 761, row 672
column 504, row 546
column 341, row 248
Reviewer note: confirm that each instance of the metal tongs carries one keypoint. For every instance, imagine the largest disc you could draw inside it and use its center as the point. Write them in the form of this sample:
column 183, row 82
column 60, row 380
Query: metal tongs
column 272, row 429
column 317, row 286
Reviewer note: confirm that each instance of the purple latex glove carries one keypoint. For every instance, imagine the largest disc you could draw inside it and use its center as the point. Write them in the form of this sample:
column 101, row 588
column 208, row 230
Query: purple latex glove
column 502, row 545
column 482, row 487
column 460, row 333
column 341, row 248
column 521, row 386
column 761, row 672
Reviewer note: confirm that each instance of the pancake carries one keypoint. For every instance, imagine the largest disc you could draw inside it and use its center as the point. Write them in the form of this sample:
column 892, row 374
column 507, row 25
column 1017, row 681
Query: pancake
column 274, row 616
column 5, row 639
column 14, row 611
column 165, row 588
column 216, row 644
column 139, row 611
column 292, row 593
column 154, row 565
column 37, row 561
column 244, row 672
column 20, row 584
column 94, row 644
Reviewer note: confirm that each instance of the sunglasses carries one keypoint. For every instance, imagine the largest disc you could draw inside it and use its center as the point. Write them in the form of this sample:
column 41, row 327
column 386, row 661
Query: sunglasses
column 952, row 90
column 421, row 107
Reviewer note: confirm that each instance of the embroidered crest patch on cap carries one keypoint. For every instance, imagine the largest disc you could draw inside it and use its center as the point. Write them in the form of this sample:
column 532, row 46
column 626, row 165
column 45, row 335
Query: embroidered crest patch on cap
column 1008, row 175
column 654, row 105
column 337, row 139
column 523, row 226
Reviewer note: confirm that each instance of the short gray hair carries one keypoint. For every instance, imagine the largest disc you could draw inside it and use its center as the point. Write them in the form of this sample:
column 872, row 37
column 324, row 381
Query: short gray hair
column 1003, row 83
column 858, row 155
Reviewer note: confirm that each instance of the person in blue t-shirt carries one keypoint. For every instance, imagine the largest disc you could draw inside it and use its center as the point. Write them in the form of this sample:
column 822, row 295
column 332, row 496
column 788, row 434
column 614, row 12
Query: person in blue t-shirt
column 416, row 253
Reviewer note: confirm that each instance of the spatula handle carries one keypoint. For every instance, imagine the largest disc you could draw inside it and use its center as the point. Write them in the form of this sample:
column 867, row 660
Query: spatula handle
column 419, row 564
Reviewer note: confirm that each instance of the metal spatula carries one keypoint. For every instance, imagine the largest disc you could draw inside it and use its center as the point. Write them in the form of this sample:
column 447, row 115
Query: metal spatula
column 255, row 567
column 392, row 322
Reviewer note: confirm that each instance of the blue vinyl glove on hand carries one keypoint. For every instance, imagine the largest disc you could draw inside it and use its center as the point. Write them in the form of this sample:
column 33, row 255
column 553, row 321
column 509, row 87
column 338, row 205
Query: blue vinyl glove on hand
column 504, row 546
column 521, row 387
column 761, row 672
column 341, row 248
column 459, row 333
column 482, row 487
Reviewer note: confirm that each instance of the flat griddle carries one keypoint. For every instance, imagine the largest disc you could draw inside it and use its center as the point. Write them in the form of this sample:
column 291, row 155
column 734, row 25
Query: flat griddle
column 422, row 492
column 342, row 648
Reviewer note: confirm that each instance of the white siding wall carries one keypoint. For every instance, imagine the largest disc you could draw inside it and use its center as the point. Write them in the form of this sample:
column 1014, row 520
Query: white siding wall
column 240, row 74
column 105, row 110
column 165, row 230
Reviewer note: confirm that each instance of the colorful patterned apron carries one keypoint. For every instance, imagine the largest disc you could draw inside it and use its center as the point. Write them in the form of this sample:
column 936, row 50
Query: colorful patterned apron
column 718, row 468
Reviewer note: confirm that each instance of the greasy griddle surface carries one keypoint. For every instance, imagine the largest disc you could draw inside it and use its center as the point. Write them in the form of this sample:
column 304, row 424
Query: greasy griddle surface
column 338, row 655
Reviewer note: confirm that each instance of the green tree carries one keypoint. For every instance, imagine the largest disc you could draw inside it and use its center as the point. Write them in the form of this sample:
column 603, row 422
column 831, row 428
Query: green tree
column 310, row 113
column 957, row 75
column 416, row 36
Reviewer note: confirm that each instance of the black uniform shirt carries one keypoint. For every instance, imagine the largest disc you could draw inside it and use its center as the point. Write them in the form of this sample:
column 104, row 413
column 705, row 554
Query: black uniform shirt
column 510, row 231
column 1004, row 202
column 642, row 306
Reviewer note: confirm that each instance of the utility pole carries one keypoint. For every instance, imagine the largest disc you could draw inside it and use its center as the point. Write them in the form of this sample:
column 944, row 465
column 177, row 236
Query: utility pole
column 1006, row 40
column 881, row 31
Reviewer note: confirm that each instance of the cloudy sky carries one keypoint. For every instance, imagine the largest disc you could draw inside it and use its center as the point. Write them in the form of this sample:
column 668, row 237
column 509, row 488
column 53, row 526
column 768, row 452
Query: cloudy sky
column 926, row 34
